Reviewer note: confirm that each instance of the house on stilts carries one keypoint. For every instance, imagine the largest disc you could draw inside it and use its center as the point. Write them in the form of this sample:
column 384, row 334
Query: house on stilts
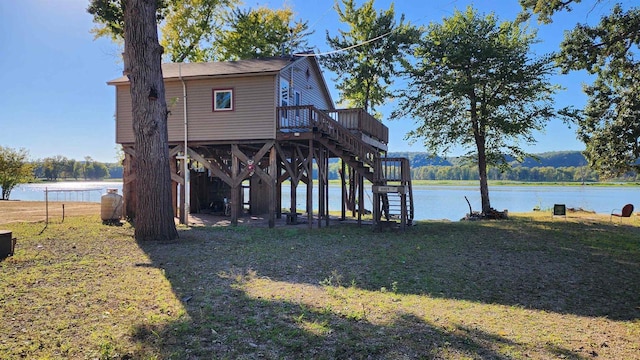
column 241, row 130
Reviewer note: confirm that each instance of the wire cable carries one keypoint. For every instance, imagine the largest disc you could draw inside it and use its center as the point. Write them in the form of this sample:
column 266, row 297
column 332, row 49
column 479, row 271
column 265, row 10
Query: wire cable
column 346, row 48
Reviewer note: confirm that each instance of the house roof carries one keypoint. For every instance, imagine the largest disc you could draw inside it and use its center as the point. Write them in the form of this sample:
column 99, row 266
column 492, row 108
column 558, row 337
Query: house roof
column 252, row 67
column 218, row 69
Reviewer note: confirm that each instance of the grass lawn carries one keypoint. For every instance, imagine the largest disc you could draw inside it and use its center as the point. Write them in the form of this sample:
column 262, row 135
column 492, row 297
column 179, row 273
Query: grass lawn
column 530, row 287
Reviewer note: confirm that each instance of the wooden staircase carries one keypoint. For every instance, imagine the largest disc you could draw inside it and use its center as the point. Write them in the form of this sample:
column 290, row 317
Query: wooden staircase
column 390, row 177
column 395, row 194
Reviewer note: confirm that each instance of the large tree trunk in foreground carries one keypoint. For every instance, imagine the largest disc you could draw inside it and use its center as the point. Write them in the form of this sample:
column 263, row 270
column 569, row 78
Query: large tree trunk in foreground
column 142, row 64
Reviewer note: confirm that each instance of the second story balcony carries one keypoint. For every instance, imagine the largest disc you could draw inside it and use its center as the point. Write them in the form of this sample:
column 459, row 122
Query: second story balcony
column 360, row 123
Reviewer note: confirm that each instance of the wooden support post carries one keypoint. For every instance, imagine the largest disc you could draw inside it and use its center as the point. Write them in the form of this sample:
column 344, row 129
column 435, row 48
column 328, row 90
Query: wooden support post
column 309, row 168
column 403, row 210
column 360, row 198
column 320, row 162
column 174, row 185
column 272, row 187
column 183, row 216
column 326, row 192
column 293, row 211
column 353, row 186
column 235, row 187
column 278, row 189
column 376, row 209
column 343, row 183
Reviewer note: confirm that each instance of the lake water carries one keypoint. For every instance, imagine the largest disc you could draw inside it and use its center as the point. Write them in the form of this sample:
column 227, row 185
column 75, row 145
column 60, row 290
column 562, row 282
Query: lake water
column 431, row 201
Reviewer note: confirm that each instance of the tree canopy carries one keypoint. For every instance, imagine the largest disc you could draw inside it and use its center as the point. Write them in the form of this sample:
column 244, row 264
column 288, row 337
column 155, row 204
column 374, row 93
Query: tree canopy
column 475, row 85
column 109, row 16
column 610, row 127
column 544, row 9
column 208, row 30
column 14, row 169
column 367, row 54
column 262, row 32
column 189, row 27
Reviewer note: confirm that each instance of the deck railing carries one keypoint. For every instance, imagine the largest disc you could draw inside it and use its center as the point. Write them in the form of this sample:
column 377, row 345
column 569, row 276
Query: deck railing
column 308, row 118
column 361, row 121
column 356, row 120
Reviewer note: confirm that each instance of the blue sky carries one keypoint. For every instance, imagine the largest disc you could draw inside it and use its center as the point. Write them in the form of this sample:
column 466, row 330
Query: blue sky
column 55, row 100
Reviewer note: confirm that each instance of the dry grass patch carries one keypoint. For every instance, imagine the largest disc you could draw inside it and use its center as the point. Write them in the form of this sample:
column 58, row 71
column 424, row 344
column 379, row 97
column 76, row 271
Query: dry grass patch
column 33, row 211
column 528, row 288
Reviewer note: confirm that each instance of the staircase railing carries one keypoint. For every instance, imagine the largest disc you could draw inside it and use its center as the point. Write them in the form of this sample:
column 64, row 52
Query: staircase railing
column 386, row 173
column 309, row 118
column 397, row 172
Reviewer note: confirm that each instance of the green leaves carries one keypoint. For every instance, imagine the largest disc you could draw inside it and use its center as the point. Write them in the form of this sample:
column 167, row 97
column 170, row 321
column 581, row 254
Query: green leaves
column 14, row 169
column 610, row 128
column 474, row 80
column 474, row 85
column 609, row 125
column 189, row 28
column 372, row 48
column 262, row 32
column 208, row 30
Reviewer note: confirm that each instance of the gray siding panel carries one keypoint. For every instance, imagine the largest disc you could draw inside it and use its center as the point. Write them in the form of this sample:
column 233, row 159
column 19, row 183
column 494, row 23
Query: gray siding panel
column 303, row 78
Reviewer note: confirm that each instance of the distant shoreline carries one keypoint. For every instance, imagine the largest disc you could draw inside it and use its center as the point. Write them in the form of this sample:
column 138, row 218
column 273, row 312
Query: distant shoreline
column 420, row 182
column 511, row 183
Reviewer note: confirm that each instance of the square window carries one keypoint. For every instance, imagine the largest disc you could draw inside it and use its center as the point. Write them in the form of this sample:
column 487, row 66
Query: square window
column 223, row 100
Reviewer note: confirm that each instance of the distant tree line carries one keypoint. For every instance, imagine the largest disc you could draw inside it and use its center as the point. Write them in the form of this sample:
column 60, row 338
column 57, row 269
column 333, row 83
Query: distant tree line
column 556, row 166
column 59, row 168
column 518, row 173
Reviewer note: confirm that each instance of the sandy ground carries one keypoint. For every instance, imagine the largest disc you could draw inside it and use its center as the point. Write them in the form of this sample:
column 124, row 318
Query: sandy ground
column 33, row 211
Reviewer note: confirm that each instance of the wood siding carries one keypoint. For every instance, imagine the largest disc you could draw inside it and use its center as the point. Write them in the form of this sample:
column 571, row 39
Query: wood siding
column 252, row 117
column 124, row 122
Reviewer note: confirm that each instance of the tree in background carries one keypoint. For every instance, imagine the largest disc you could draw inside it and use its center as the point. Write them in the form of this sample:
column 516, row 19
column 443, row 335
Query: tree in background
column 367, row 54
column 109, row 16
column 207, row 30
column 57, row 167
column 189, row 28
column 262, row 32
column 544, row 9
column 610, row 127
column 474, row 84
column 60, row 167
column 14, row 169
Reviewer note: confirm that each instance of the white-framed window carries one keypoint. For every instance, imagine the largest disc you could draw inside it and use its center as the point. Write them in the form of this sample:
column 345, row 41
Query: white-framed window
column 297, row 100
column 284, row 92
column 222, row 99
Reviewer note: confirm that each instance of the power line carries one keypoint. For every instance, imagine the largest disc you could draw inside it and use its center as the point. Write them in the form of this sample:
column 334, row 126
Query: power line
column 348, row 47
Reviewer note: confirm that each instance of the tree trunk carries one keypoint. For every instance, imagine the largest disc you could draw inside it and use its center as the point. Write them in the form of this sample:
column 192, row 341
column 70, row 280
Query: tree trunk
column 482, row 173
column 142, row 58
column 478, row 133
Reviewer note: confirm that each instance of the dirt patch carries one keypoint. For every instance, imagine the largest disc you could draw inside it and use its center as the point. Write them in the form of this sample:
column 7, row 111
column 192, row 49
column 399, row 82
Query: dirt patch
column 33, row 211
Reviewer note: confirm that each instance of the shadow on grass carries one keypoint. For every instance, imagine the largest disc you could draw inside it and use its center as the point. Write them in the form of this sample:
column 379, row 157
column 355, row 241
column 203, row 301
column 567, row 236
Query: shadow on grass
column 571, row 268
column 249, row 328
column 579, row 269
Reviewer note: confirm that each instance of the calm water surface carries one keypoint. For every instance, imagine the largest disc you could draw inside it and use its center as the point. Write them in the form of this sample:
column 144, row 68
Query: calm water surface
column 431, row 202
